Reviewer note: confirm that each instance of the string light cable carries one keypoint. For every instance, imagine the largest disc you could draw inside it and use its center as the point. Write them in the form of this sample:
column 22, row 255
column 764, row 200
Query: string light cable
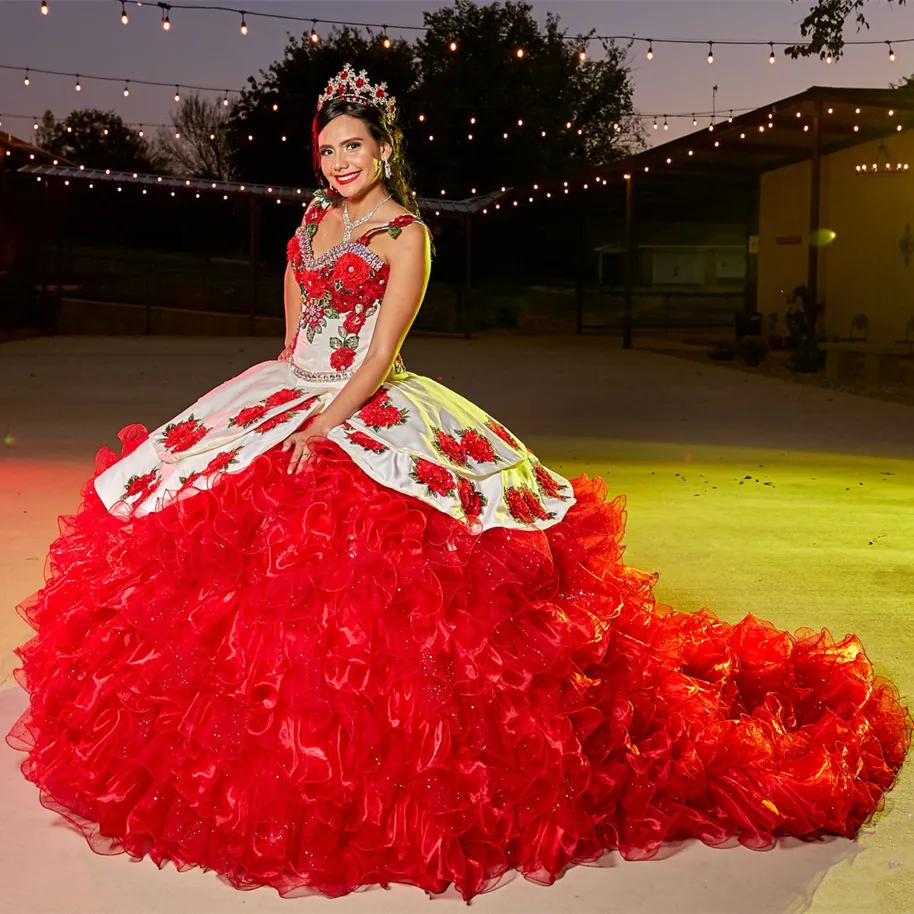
column 649, row 43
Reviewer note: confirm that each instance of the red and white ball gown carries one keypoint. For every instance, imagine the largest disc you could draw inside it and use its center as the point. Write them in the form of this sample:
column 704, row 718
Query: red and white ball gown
column 422, row 660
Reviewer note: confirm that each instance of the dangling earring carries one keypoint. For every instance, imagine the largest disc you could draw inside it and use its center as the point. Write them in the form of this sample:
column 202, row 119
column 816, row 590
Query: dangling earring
column 387, row 171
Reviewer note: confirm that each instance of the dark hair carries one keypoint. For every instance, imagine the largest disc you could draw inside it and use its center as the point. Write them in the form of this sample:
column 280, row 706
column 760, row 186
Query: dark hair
column 383, row 129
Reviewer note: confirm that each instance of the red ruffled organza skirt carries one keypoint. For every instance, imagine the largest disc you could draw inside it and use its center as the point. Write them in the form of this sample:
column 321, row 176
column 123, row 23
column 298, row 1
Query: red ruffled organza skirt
column 317, row 683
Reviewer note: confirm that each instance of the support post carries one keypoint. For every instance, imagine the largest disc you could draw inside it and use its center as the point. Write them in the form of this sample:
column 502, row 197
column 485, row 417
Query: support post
column 254, row 228
column 627, row 266
column 468, row 271
column 815, row 195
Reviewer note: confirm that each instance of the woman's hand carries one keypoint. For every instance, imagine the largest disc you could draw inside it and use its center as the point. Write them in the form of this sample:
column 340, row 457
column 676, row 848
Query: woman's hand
column 286, row 354
column 297, row 443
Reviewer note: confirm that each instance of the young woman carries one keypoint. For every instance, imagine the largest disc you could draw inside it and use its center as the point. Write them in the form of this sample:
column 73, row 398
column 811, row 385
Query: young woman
column 334, row 625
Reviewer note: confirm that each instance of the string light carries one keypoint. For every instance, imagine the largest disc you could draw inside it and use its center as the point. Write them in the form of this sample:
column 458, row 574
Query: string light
column 244, row 24
column 891, row 53
column 666, row 126
column 166, row 21
column 453, row 46
column 829, row 58
column 78, row 87
column 694, row 121
column 582, row 56
column 771, row 56
column 315, row 38
column 44, row 7
column 26, row 81
column 386, row 41
column 519, row 53
column 655, row 123
column 650, row 50
column 177, row 93
column 710, row 52
column 124, row 17
column 225, row 101
column 127, row 89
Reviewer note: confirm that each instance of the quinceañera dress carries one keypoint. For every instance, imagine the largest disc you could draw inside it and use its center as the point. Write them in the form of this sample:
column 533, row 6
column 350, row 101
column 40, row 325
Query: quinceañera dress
column 421, row 660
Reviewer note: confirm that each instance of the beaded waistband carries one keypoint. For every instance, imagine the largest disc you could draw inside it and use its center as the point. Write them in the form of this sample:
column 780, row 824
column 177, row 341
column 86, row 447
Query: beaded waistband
column 321, row 376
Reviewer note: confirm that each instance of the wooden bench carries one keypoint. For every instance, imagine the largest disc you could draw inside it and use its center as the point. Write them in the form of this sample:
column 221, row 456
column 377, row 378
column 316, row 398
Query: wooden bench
column 880, row 360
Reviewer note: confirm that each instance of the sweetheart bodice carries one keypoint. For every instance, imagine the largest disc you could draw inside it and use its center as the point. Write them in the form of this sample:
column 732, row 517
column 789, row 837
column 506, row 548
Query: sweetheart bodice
column 341, row 295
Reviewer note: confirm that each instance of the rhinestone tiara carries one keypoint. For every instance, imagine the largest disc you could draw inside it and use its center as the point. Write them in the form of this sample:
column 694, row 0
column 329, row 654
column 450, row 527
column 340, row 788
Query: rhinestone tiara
column 355, row 87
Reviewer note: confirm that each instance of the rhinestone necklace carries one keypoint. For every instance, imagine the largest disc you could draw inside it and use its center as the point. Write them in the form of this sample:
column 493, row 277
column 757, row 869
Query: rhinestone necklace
column 349, row 226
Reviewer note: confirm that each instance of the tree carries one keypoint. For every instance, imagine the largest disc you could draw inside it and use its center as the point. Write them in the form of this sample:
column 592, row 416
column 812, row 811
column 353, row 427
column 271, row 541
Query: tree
column 197, row 145
column 484, row 79
column 532, row 98
column 281, row 102
column 823, row 27
column 96, row 139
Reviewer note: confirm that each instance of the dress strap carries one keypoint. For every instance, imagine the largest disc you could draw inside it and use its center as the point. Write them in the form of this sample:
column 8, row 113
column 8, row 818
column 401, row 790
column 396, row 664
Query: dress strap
column 393, row 227
column 315, row 210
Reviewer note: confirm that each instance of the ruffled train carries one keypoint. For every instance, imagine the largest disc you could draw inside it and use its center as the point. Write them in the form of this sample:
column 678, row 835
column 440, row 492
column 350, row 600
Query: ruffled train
column 318, row 683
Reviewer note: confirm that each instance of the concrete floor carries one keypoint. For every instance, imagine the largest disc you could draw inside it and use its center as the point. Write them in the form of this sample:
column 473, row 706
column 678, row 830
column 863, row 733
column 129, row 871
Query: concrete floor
column 747, row 493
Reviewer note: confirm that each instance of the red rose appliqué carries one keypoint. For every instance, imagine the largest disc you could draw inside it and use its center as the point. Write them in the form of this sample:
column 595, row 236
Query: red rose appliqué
column 449, row 447
column 341, row 359
column 366, row 442
column 436, row 479
column 524, row 506
column 281, row 397
column 498, row 429
column 472, row 501
column 249, row 415
column 141, row 487
column 351, row 271
column 477, row 447
column 549, row 486
column 181, row 436
column 379, row 412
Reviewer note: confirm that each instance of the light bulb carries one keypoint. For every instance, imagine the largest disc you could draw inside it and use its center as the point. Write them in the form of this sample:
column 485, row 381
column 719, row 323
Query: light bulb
column 44, row 7
column 519, row 52
column 225, row 101
column 166, row 22
column 126, row 90
column 26, row 81
column 771, row 56
column 177, row 94
column 582, row 56
column 124, row 18
column 710, row 52
column 472, row 120
column 650, row 51
column 891, row 53
column 315, row 38
column 386, row 42
column 453, row 45
column 829, row 58
column 78, row 87
column 244, row 25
